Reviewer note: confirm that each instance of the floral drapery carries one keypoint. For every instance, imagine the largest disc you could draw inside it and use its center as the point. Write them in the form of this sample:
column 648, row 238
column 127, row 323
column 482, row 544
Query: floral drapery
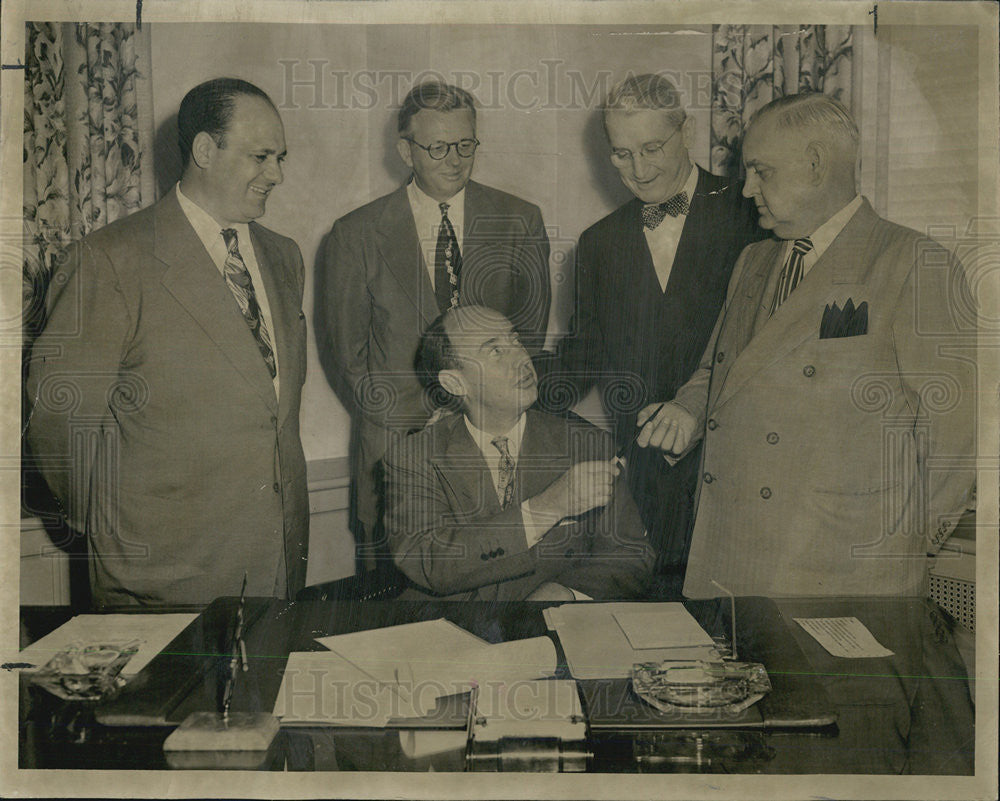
column 753, row 64
column 87, row 140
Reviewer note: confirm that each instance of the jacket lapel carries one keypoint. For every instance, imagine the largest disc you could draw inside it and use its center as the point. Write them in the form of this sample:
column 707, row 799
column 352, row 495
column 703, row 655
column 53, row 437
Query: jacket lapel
column 799, row 317
column 194, row 281
column 463, row 468
column 399, row 246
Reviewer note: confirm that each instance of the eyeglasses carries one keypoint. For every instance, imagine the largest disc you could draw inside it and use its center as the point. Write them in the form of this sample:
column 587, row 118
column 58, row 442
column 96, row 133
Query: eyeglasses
column 651, row 151
column 440, row 150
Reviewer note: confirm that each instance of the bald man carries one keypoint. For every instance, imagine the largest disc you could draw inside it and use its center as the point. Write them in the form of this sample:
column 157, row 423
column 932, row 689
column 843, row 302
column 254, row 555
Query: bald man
column 836, row 397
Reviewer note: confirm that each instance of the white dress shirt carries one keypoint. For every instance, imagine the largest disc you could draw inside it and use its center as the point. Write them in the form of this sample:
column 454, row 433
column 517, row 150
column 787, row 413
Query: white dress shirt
column 210, row 234
column 427, row 216
column 663, row 239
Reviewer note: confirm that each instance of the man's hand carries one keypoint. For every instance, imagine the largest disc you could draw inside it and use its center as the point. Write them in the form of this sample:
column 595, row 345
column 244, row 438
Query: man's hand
column 670, row 430
column 585, row 486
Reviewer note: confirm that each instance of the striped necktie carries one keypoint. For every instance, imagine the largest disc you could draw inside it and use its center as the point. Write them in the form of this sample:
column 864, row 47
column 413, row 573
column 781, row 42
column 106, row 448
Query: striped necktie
column 241, row 285
column 792, row 272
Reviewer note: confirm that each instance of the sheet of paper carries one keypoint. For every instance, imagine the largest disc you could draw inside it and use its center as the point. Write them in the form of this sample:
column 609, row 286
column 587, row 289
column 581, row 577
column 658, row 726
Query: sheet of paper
column 843, row 636
column 155, row 631
column 322, row 688
column 536, row 709
column 501, row 665
column 663, row 626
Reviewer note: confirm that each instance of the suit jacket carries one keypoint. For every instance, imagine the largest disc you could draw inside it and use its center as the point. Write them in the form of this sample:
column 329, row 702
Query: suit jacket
column 155, row 420
column 449, row 535
column 831, row 465
column 374, row 299
column 640, row 343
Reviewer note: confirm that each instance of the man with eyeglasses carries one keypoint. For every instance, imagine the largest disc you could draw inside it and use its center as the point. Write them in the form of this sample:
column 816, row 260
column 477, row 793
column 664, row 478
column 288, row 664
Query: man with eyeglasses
column 389, row 268
column 651, row 278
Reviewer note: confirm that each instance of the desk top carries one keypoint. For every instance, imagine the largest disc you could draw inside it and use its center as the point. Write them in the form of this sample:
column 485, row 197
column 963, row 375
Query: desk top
column 909, row 712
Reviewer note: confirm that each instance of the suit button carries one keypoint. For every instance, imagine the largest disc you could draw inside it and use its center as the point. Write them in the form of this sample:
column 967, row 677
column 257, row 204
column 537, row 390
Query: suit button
column 302, row 315
column 720, row 356
column 772, row 438
column 484, row 556
column 808, row 371
column 277, row 487
column 500, row 551
column 274, row 421
column 708, row 478
column 712, row 424
column 765, row 492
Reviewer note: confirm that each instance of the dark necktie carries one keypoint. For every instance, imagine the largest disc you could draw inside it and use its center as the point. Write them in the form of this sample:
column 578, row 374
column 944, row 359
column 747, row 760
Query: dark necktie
column 792, row 273
column 447, row 263
column 505, row 479
column 238, row 279
column 653, row 213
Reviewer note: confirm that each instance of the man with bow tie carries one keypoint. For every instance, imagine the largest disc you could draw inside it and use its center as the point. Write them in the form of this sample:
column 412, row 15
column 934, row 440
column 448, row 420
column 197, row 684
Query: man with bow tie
column 499, row 501
column 836, row 399
column 651, row 278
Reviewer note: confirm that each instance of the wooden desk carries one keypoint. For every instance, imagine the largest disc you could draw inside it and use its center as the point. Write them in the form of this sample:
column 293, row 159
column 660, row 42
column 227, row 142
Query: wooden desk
column 909, row 713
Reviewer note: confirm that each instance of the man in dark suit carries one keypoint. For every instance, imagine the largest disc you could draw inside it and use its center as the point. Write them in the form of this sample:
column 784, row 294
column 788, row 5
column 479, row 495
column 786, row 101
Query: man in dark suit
column 651, row 278
column 836, row 400
column 390, row 267
column 166, row 382
column 499, row 502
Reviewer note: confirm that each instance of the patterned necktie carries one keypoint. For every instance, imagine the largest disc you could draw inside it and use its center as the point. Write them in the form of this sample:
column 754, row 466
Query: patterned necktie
column 505, row 481
column 238, row 278
column 792, row 273
column 653, row 213
column 447, row 263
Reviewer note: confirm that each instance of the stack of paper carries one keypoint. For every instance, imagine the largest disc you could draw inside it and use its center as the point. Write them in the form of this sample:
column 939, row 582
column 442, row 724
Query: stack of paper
column 603, row 641
column 368, row 678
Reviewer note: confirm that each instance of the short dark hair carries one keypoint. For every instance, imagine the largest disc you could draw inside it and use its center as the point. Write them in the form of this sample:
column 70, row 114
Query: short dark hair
column 435, row 96
column 209, row 108
column 434, row 354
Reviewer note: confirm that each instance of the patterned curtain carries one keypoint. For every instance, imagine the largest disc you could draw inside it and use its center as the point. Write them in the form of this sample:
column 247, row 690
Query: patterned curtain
column 87, row 141
column 753, row 64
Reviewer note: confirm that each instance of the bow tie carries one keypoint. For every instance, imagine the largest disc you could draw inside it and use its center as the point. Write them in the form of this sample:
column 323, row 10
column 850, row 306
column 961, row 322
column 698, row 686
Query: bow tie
column 653, row 213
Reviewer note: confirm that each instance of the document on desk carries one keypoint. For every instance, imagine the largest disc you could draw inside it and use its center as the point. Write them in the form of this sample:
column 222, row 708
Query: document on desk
column 846, row 637
column 154, row 631
column 604, row 640
column 368, row 678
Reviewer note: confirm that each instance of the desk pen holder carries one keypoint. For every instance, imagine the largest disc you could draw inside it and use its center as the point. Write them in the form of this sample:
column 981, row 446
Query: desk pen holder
column 238, row 741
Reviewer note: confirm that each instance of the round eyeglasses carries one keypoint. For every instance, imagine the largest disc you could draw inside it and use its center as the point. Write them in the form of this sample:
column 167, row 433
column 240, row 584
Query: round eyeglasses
column 650, row 151
column 439, row 150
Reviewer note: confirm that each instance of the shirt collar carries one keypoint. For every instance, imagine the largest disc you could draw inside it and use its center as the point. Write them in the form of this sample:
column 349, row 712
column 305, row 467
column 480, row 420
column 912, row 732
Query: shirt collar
column 485, row 440
column 823, row 236
column 205, row 225
column 419, row 198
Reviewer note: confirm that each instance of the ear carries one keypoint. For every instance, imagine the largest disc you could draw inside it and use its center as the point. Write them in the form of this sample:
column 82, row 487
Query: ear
column 453, row 382
column 403, row 148
column 688, row 129
column 203, row 148
column 818, row 160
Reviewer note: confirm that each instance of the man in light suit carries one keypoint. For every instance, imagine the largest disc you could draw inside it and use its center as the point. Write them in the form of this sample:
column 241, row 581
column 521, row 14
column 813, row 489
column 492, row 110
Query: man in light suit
column 503, row 502
column 650, row 281
column 389, row 268
column 836, row 399
column 166, row 383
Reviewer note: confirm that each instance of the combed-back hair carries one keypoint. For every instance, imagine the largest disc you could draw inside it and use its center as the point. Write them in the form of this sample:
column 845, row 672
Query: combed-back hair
column 649, row 91
column 435, row 96
column 434, row 354
column 209, row 108
column 813, row 110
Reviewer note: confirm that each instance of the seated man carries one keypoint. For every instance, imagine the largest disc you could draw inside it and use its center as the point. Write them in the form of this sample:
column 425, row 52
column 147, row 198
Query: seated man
column 501, row 503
